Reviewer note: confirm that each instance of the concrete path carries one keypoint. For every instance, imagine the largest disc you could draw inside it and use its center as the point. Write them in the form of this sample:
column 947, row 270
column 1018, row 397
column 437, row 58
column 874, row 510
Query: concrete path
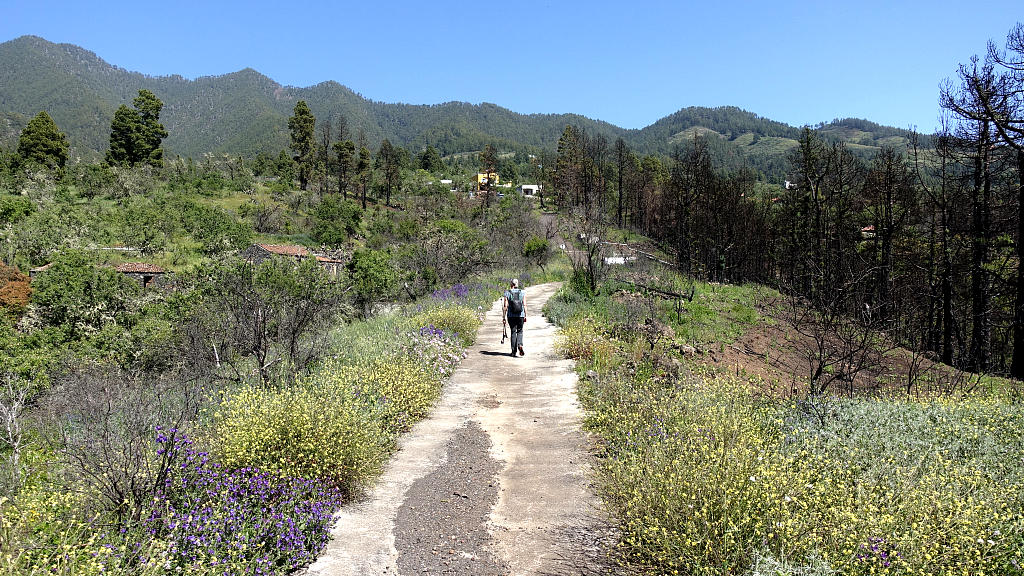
column 495, row 481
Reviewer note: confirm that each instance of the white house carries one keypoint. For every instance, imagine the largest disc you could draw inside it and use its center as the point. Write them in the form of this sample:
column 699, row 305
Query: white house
column 530, row 190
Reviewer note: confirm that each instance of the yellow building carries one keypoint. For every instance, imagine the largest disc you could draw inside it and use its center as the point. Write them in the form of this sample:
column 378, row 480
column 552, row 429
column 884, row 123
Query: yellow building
column 482, row 180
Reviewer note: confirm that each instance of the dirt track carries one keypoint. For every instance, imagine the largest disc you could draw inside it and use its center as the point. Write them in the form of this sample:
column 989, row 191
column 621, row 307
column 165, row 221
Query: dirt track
column 496, row 481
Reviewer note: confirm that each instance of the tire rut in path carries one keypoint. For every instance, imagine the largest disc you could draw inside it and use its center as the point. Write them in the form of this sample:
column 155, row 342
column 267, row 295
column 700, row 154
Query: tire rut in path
column 441, row 527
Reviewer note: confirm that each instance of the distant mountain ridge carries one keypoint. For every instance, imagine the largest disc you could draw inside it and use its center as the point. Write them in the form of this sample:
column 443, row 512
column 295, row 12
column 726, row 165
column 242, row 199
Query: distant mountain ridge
column 245, row 112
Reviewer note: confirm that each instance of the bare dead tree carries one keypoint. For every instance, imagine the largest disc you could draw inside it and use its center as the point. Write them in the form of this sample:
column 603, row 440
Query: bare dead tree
column 107, row 421
column 267, row 321
column 1005, row 108
column 13, row 396
column 324, row 154
column 975, row 137
column 892, row 200
column 942, row 198
column 585, row 227
column 842, row 341
column 266, row 218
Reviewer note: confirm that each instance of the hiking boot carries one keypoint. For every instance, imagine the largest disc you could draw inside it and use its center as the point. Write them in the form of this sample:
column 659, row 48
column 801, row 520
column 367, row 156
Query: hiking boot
column 521, row 353
column 512, row 354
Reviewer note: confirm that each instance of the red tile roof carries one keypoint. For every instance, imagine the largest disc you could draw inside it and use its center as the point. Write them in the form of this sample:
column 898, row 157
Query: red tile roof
column 285, row 249
column 139, row 268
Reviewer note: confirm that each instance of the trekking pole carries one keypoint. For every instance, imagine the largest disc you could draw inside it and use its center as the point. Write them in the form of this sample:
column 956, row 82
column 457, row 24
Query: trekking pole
column 504, row 332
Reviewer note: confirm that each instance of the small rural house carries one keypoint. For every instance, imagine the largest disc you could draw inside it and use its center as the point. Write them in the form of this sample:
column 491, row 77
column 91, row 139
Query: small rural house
column 259, row 252
column 530, row 190
column 483, row 180
column 146, row 274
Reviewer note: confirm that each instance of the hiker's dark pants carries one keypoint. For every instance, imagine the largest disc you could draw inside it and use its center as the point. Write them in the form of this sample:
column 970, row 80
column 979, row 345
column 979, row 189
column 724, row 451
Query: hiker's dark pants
column 516, row 325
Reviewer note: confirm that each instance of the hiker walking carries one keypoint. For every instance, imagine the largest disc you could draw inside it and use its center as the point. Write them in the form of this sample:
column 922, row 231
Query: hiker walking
column 513, row 313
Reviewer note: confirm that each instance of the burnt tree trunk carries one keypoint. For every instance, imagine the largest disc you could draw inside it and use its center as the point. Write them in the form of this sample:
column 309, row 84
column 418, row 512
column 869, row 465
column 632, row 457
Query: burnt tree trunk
column 1017, row 365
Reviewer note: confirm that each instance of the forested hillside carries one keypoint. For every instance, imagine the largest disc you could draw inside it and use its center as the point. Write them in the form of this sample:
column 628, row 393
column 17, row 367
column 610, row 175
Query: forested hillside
column 244, row 113
column 241, row 113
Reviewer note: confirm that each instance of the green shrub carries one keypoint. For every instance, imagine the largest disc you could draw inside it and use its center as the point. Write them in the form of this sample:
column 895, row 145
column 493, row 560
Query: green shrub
column 213, row 227
column 373, row 276
column 579, row 283
column 452, row 320
column 317, row 429
column 335, row 220
column 582, row 340
column 566, row 304
column 80, row 297
column 396, row 391
column 537, row 251
column 14, row 209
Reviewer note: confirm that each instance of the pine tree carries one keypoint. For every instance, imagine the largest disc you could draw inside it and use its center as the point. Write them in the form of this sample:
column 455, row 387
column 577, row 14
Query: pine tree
column 302, row 125
column 388, row 161
column 622, row 163
column 152, row 131
column 488, row 165
column 136, row 134
column 42, row 143
column 125, row 136
column 346, row 160
column 430, row 160
column 364, row 172
column 569, row 165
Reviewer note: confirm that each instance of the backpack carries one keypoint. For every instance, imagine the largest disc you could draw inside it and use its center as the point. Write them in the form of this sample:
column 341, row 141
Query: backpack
column 515, row 303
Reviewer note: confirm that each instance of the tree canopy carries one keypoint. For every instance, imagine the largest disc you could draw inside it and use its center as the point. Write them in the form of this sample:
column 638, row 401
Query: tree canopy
column 136, row 134
column 42, row 143
column 430, row 160
column 302, row 126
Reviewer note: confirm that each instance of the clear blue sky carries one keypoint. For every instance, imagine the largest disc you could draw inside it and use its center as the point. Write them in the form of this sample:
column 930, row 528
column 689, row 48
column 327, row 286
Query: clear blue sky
column 625, row 62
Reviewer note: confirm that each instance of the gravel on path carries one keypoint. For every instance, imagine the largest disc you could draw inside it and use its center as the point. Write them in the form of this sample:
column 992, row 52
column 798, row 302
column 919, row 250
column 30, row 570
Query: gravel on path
column 442, row 525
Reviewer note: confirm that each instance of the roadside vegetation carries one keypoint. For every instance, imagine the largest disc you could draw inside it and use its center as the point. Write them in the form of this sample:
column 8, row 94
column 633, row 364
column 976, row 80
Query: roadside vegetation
column 714, row 471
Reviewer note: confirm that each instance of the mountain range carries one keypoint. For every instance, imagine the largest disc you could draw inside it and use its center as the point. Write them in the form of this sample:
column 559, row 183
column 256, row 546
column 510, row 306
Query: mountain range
column 244, row 113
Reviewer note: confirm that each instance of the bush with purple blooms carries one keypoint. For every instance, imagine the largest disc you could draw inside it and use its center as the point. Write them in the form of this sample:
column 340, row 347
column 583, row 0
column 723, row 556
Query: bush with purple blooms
column 237, row 521
column 435, row 351
column 203, row 519
column 476, row 296
column 456, row 292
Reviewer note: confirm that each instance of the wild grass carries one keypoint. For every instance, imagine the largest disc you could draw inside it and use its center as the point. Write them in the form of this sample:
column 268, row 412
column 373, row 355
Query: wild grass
column 705, row 313
column 707, row 475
